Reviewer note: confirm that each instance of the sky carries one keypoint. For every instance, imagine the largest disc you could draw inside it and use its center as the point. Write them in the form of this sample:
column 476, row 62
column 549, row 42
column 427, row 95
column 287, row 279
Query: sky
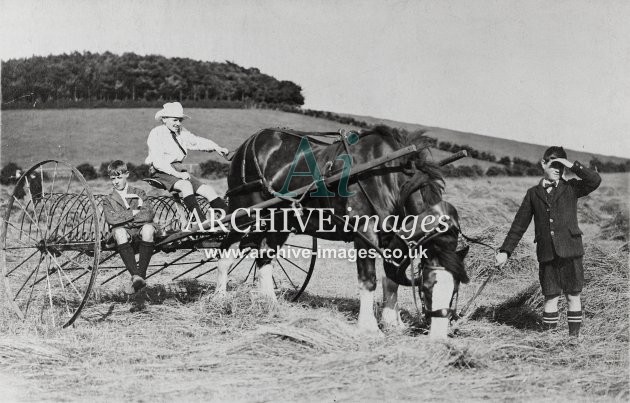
column 544, row 72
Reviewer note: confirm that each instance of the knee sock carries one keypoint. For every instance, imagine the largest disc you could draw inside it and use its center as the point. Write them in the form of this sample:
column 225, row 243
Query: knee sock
column 575, row 321
column 128, row 257
column 550, row 320
column 191, row 204
column 145, row 251
column 219, row 203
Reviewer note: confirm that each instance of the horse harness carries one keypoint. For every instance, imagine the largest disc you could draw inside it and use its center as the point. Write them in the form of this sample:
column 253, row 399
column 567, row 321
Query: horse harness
column 413, row 184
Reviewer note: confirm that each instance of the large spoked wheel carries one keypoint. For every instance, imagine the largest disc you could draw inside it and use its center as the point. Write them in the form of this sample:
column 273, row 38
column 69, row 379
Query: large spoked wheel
column 293, row 266
column 51, row 243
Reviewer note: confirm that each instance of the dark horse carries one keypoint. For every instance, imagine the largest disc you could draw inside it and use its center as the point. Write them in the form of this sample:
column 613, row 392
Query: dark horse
column 404, row 187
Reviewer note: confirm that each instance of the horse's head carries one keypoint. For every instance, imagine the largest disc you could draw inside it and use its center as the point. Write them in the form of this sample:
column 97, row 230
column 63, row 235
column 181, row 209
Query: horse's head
column 444, row 263
column 440, row 263
column 435, row 231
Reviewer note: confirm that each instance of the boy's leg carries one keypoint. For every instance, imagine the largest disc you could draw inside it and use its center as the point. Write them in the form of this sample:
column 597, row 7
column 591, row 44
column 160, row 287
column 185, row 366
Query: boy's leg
column 145, row 249
column 128, row 256
column 548, row 276
column 573, row 281
column 550, row 312
column 125, row 249
column 574, row 313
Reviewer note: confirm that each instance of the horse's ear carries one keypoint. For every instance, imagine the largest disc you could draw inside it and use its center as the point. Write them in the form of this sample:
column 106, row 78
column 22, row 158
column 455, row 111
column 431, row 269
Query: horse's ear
column 463, row 252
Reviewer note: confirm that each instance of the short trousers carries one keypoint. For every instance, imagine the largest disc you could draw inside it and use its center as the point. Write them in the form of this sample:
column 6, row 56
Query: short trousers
column 168, row 181
column 133, row 230
column 561, row 276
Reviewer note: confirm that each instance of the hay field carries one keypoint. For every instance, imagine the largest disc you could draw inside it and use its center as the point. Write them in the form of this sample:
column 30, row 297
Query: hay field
column 188, row 348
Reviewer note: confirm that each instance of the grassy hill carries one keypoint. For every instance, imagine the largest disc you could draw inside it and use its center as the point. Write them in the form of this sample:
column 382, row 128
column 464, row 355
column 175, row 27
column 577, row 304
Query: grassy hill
column 97, row 135
column 499, row 147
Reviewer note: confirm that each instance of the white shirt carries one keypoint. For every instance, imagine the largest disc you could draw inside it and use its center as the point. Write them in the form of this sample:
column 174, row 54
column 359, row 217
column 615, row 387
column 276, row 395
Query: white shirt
column 163, row 150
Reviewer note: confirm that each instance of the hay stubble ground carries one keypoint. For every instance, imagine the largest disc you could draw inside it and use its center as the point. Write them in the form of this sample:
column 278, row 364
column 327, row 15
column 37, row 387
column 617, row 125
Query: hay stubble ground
column 186, row 347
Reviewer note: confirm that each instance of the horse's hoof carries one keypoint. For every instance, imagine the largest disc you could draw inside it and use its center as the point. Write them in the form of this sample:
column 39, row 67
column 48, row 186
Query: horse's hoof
column 391, row 320
column 395, row 327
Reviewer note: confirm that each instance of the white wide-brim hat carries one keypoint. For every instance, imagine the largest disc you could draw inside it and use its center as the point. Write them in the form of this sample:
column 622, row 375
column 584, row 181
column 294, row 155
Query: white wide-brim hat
column 171, row 110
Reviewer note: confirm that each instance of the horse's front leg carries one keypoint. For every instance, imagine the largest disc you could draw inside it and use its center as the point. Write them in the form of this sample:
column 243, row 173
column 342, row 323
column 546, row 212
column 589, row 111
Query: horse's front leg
column 391, row 312
column 439, row 286
column 366, row 268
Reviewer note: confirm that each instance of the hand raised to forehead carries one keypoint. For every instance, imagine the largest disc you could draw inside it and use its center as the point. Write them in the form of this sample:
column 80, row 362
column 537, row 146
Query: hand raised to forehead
column 562, row 161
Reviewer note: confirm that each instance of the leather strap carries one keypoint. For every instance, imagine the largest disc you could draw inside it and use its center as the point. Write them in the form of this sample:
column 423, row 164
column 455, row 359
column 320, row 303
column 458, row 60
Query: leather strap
column 441, row 313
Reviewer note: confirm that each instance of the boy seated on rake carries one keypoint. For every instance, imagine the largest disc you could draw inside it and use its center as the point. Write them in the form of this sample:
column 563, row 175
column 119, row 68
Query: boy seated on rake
column 168, row 146
column 553, row 204
column 130, row 216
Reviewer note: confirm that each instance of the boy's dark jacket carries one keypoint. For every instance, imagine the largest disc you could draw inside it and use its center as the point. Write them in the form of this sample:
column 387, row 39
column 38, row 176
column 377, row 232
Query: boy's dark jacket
column 555, row 216
column 116, row 214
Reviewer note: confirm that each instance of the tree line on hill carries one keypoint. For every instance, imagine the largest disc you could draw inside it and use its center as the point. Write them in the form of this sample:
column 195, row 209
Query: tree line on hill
column 93, row 79
column 108, row 80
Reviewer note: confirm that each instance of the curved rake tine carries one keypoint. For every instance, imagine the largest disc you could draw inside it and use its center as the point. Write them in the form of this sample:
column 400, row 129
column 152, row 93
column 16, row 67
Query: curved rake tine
column 26, row 232
column 48, row 223
column 21, row 230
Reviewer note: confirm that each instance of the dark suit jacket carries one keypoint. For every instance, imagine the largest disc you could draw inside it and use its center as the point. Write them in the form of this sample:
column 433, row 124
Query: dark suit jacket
column 555, row 216
column 116, row 214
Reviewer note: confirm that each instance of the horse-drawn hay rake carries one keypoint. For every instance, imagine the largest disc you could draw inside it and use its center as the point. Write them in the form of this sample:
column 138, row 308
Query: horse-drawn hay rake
column 57, row 251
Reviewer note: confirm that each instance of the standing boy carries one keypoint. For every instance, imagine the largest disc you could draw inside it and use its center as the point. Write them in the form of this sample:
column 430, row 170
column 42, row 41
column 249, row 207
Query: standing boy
column 553, row 204
column 130, row 215
column 168, row 146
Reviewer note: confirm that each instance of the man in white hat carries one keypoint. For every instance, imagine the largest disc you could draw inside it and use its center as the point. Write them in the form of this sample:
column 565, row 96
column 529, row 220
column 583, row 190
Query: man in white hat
column 168, row 146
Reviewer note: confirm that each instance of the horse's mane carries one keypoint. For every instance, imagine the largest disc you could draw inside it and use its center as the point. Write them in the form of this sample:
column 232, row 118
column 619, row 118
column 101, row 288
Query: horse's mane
column 429, row 178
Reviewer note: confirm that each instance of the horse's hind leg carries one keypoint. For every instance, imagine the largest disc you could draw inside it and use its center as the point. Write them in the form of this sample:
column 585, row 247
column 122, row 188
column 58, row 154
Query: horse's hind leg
column 270, row 244
column 391, row 313
column 367, row 284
